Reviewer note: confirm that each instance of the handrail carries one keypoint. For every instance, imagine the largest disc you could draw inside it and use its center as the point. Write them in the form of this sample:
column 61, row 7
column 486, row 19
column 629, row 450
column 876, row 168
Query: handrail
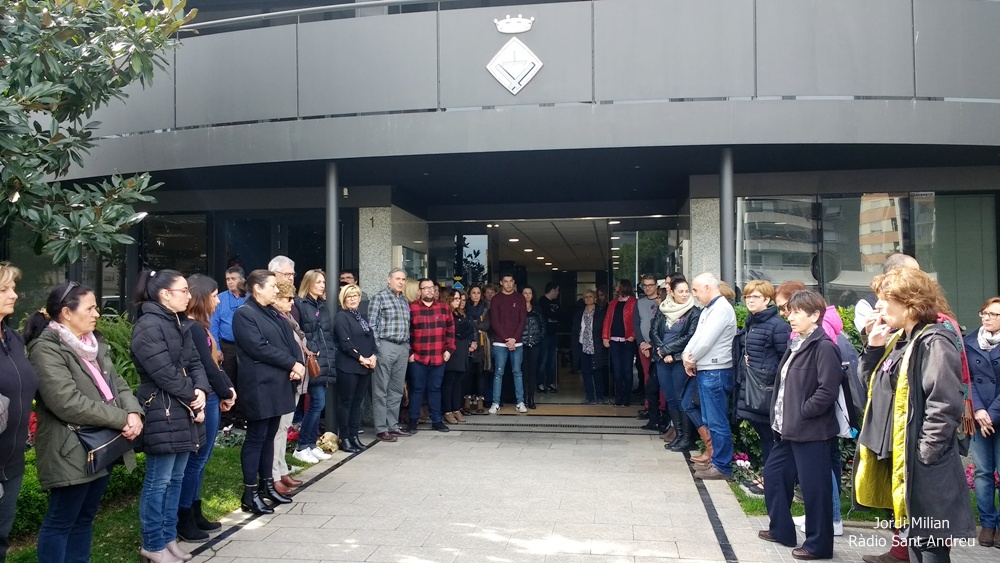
column 307, row 11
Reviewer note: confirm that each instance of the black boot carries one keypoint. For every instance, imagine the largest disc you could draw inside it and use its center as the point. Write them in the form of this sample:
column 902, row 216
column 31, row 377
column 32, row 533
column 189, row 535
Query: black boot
column 251, row 501
column 356, row 442
column 684, row 437
column 187, row 530
column 677, row 417
column 203, row 523
column 265, row 488
column 529, row 399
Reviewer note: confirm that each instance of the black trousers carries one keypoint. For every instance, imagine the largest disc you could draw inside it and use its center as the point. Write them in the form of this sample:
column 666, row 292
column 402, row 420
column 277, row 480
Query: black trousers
column 529, row 369
column 229, row 366
column 810, row 462
column 766, row 439
column 351, row 389
column 451, row 391
column 257, row 455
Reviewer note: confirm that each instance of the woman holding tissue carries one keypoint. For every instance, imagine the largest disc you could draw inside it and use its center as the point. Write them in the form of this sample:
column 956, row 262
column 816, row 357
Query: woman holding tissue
column 908, row 450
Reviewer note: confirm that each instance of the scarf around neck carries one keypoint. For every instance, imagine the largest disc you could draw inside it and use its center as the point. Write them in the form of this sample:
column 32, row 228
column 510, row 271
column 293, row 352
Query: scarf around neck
column 85, row 347
column 674, row 311
column 987, row 340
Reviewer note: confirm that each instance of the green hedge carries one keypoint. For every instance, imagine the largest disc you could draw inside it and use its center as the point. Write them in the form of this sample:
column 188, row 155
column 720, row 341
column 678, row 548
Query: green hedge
column 33, row 501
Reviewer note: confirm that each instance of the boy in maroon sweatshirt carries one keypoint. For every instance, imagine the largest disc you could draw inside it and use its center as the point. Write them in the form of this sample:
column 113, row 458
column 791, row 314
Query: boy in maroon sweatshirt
column 507, row 316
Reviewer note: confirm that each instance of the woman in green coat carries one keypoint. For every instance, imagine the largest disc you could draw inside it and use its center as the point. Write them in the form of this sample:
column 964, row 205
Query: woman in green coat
column 78, row 386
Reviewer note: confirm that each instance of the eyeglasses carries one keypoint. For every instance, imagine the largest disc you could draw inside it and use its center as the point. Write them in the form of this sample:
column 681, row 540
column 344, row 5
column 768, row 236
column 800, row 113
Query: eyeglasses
column 69, row 288
column 287, row 274
column 988, row 315
column 182, row 290
column 649, row 285
column 783, row 307
column 752, row 297
column 430, row 287
column 352, row 296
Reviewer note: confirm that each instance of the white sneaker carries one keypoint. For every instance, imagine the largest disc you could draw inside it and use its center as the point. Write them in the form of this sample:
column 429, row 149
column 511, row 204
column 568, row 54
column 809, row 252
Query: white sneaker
column 319, row 454
column 305, row 456
column 521, row 408
column 838, row 527
column 495, row 408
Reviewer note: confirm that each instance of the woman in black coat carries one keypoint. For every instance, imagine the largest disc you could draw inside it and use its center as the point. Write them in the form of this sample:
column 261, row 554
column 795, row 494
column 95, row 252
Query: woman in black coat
column 356, row 358
column 268, row 358
column 456, row 369
column 18, row 383
column 669, row 334
column 760, row 345
column 804, row 422
column 588, row 320
column 173, row 389
column 318, row 326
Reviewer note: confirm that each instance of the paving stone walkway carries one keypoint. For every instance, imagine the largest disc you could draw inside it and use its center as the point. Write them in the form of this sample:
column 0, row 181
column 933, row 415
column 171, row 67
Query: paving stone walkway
column 509, row 496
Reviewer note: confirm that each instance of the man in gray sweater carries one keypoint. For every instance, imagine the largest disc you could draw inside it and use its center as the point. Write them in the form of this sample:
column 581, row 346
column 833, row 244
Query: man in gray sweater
column 709, row 357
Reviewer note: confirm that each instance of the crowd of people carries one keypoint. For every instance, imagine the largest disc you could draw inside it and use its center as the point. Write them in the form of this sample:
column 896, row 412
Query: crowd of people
column 261, row 355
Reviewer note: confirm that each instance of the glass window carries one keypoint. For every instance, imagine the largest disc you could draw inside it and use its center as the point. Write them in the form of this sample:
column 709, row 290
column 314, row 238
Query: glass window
column 177, row 242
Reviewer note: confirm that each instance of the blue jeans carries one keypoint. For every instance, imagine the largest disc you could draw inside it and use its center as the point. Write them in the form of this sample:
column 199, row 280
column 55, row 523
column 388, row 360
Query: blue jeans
column 664, row 376
column 690, row 389
column 195, row 470
column 714, row 387
column 500, row 356
column 11, row 488
column 309, row 431
column 161, row 493
column 547, row 361
column 986, row 456
column 622, row 361
column 69, row 523
column 425, row 378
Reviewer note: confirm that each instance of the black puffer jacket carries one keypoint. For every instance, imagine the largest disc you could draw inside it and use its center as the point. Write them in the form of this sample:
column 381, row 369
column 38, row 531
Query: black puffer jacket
column 318, row 325
column 18, row 382
column 169, row 372
column 534, row 328
column 763, row 342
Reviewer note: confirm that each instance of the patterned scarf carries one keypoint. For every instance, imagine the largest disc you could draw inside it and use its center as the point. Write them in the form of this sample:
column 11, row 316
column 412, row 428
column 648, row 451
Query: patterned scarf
column 987, row 340
column 361, row 320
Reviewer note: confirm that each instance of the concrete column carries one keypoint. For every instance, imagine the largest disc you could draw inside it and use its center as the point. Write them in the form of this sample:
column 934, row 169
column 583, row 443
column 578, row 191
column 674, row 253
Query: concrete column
column 374, row 246
column 705, row 244
column 727, row 218
column 333, row 196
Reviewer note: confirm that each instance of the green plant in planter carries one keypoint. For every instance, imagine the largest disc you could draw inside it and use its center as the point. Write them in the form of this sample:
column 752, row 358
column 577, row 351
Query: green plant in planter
column 117, row 332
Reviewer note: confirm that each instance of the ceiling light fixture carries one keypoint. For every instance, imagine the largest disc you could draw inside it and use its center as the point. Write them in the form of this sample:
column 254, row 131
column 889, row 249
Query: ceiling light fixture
column 556, row 269
column 528, row 250
column 513, row 240
column 616, row 248
column 539, row 258
column 489, row 225
column 548, row 263
column 614, row 222
column 615, row 238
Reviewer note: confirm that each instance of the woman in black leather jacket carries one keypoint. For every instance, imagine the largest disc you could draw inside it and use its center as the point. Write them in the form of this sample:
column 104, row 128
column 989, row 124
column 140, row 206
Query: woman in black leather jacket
column 669, row 333
column 456, row 369
column 534, row 326
column 318, row 326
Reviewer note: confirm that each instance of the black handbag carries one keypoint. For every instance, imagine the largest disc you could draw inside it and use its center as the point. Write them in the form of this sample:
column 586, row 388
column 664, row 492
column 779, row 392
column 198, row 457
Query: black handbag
column 758, row 389
column 104, row 446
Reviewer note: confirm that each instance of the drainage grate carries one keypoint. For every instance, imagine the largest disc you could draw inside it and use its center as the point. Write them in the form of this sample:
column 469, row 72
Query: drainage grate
column 544, row 425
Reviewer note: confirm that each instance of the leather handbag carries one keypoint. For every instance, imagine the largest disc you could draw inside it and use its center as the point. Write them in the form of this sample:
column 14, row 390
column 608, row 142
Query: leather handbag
column 312, row 365
column 104, row 446
column 759, row 387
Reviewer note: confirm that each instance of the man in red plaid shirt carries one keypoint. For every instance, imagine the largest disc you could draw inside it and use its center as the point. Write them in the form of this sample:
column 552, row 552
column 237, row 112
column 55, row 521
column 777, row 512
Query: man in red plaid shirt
column 432, row 342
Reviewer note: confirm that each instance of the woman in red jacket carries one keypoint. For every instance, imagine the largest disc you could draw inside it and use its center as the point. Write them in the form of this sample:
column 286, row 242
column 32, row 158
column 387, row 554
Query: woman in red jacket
column 619, row 338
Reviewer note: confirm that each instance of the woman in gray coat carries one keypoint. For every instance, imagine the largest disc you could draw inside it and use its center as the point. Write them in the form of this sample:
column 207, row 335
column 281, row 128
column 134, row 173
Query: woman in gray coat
column 78, row 385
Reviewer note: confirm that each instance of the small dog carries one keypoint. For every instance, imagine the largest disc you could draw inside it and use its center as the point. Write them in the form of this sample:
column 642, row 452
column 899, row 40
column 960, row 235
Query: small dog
column 328, row 442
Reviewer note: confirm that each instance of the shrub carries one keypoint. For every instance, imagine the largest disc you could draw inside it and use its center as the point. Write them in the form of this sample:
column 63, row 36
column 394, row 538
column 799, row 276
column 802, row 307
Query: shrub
column 33, row 501
column 117, row 332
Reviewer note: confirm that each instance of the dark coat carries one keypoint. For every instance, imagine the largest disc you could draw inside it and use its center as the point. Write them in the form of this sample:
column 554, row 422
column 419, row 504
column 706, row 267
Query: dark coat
column 67, row 394
column 481, row 315
column 811, row 388
column 936, row 493
column 683, row 331
column 466, row 332
column 266, row 352
column 984, row 375
column 762, row 343
column 317, row 323
column 169, row 372
column 217, row 378
column 600, row 357
column 18, row 383
column 352, row 343
column 534, row 328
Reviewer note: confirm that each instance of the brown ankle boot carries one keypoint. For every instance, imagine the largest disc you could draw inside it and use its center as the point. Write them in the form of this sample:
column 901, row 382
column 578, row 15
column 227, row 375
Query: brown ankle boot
column 987, row 537
column 669, row 435
column 706, row 437
column 458, row 416
column 480, row 407
column 468, row 403
column 450, row 418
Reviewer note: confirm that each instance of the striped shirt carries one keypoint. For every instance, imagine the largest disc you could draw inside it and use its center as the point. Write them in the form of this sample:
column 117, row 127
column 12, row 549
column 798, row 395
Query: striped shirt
column 389, row 317
column 432, row 332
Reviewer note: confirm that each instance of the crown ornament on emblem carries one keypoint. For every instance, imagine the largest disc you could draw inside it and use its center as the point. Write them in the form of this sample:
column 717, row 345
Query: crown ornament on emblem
column 520, row 24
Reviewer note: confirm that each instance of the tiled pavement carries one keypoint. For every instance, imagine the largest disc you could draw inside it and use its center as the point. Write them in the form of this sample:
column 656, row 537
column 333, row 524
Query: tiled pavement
column 510, row 496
